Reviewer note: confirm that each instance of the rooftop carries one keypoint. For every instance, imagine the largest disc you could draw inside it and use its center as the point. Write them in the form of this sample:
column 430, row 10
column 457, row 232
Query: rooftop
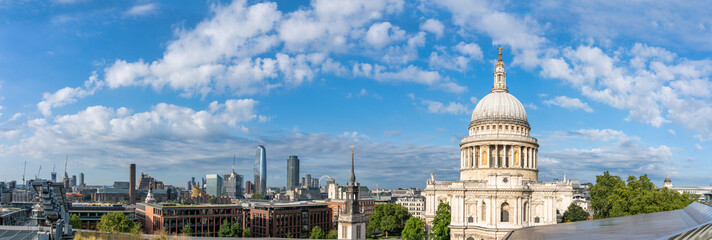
column 643, row 226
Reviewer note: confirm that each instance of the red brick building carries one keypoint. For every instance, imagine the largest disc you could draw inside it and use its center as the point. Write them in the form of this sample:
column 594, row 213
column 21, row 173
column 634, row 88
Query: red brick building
column 295, row 219
column 202, row 219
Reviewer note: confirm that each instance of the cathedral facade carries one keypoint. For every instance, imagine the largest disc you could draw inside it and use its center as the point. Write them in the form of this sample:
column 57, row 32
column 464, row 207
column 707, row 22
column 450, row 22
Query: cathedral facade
column 498, row 190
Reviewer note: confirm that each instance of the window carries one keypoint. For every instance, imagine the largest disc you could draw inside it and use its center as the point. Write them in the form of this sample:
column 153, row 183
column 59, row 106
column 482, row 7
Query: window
column 536, row 220
column 524, row 213
column 484, row 211
column 358, row 232
column 470, row 219
column 505, row 213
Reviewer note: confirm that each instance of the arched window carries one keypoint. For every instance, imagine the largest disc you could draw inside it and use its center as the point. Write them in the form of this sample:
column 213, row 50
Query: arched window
column 505, row 213
column 536, row 220
column 470, row 219
column 524, row 213
column 484, row 211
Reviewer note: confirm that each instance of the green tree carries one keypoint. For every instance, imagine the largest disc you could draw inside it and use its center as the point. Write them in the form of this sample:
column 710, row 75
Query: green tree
column 317, row 233
column 246, row 233
column 187, row 230
column 441, row 229
column 574, row 213
column 613, row 197
column 414, row 229
column 116, row 222
column 75, row 221
column 333, row 234
column 236, row 230
column 225, row 229
column 388, row 217
column 257, row 196
column 212, row 200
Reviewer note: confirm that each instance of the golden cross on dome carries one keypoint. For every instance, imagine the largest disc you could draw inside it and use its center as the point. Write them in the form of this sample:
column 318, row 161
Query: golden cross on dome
column 500, row 52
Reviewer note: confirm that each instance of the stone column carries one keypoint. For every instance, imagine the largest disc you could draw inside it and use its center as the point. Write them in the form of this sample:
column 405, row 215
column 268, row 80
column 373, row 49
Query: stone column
column 535, row 158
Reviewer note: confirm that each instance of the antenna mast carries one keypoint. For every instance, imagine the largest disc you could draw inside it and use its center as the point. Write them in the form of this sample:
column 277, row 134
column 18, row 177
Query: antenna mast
column 65, row 163
column 233, row 161
column 38, row 173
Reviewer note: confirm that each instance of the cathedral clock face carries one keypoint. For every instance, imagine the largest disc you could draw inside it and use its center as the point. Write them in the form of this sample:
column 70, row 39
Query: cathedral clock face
column 505, row 180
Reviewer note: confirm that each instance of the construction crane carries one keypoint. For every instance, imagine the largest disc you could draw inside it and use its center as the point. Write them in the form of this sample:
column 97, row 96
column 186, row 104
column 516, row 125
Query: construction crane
column 38, row 173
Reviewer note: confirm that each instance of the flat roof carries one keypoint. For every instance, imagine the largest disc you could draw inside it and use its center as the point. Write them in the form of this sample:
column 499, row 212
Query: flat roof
column 642, row 226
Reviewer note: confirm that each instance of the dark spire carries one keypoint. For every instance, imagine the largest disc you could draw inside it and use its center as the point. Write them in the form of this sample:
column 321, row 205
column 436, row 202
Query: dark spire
column 353, row 176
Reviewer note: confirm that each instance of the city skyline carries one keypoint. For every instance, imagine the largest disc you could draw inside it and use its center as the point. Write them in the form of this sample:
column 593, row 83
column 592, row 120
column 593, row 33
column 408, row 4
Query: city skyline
column 180, row 88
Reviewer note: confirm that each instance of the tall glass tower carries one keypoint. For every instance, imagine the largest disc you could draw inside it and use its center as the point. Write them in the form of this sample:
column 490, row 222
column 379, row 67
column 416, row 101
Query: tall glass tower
column 292, row 172
column 261, row 170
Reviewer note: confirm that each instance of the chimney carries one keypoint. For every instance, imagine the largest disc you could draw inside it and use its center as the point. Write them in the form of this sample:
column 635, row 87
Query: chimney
column 132, row 183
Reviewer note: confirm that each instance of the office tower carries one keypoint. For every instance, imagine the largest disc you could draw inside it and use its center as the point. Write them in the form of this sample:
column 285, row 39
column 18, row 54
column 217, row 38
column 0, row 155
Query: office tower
column 66, row 181
column 54, row 176
column 292, row 172
column 132, row 183
column 307, row 180
column 192, row 182
column 249, row 187
column 261, row 170
column 74, row 180
column 232, row 185
column 12, row 184
column 330, row 181
column 188, row 186
column 213, row 185
column 81, row 179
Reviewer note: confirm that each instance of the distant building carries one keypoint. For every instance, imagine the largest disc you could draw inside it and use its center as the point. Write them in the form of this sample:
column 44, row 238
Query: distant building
column 204, row 220
column 352, row 221
column 81, row 179
column 292, row 172
column 414, row 203
column 261, row 170
column 66, row 181
column 213, row 185
column 74, row 181
column 366, row 205
column 54, row 176
column 112, row 195
column 121, row 185
column 146, row 182
column 232, row 185
column 132, row 185
column 705, row 192
column 90, row 214
column 249, row 187
column 13, row 216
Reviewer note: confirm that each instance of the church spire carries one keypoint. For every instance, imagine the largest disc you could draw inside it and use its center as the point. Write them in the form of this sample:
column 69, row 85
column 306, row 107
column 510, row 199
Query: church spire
column 500, row 77
column 353, row 176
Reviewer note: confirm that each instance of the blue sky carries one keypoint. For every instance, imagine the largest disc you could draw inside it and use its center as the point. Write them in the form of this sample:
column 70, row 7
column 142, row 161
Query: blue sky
column 179, row 87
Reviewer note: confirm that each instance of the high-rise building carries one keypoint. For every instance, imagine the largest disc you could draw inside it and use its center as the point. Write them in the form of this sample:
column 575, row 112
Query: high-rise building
column 249, row 187
column 213, row 186
column 307, row 181
column 66, row 181
column 74, row 180
column 232, row 185
column 261, row 170
column 292, row 172
column 54, row 176
column 132, row 183
column 81, row 179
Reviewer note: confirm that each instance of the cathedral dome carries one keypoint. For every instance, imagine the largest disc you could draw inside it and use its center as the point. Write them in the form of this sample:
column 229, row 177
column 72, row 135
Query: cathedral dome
column 499, row 106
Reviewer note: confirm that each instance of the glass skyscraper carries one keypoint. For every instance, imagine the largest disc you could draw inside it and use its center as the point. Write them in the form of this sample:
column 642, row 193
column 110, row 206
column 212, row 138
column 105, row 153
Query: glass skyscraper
column 232, row 185
column 292, row 172
column 261, row 170
column 213, row 184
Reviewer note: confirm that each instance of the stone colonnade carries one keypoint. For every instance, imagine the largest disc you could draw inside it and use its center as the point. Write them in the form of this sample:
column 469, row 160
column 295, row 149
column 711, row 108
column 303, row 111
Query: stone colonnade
column 498, row 156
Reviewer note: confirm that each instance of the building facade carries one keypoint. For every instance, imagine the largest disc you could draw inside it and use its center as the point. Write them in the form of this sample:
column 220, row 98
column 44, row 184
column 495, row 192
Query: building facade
column 414, row 203
column 204, row 220
column 498, row 190
column 232, row 185
column 292, row 172
column 704, row 192
column 90, row 214
column 261, row 170
column 213, row 185
column 295, row 219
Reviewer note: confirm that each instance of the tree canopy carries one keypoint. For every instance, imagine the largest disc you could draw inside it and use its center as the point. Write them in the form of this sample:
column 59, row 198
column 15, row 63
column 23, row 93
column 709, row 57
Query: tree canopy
column 333, row 234
column 117, row 222
column 414, row 229
column 75, row 221
column 575, row 213
column 388, row 218
column 317, row 233
column 257, row 196
column 230, row 230
column 187, row 230
column 441, row 229
column 613, row 197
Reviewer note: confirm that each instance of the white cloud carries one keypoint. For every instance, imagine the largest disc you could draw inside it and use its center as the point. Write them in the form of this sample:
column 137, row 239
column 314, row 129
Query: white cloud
column 433, row 26
column 470, row 49
column 698, row 147
column 531, row 106
column 672, row 132
column 410, row 74
column 602, row 134
column 568, row 103
column 66, row 96
column 382, row 34
column 440, row 108
column 142, row 9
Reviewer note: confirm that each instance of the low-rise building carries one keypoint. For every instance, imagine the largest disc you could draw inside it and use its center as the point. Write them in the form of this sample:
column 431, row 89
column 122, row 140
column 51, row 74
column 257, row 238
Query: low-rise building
column 414, row 203
column 292, row 219
column 90, row 213
column 13, row 216
column 114, row 195
column 204, row 220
